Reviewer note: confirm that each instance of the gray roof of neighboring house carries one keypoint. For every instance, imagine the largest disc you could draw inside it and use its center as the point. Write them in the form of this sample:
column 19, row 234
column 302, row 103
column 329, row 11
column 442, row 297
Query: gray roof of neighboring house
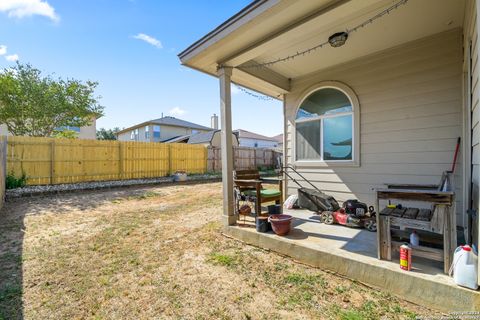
column 251, row 135
column 177, row 139
column 171, row 121
column 202, row 137
column 168, row 121
column 278, row 138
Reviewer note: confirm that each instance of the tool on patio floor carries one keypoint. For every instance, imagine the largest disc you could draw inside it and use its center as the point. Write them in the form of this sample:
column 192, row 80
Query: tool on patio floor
column 353, row 213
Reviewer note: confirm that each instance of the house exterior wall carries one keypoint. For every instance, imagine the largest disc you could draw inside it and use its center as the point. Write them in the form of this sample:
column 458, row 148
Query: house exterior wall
column 472, row 114
column 166, row 132
column 257, row 143
column 87, row 132
column 125, row 136
column 410, row 117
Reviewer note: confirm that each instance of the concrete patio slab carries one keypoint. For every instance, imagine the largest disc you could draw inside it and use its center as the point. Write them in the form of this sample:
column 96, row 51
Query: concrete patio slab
column 353, row 253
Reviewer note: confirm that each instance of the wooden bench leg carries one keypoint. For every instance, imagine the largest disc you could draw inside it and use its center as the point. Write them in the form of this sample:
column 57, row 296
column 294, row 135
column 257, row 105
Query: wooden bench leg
column 384, row 238
column 449, row 236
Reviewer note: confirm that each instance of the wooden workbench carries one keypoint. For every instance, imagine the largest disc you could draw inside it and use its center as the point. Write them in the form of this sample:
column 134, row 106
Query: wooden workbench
column 442, row 222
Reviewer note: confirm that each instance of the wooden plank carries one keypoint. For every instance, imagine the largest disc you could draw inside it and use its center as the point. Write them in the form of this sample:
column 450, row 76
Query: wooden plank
column 384, row 236
column 412, row 224
column 438, row 218
column 410, row 213
column 416, row 195
column 424, row 214
column 398, row 212
column 52, row 162
column 450, row 236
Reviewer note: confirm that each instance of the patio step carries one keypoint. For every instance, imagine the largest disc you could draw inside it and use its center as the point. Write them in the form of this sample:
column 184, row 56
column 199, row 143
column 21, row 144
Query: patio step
column 434, row 291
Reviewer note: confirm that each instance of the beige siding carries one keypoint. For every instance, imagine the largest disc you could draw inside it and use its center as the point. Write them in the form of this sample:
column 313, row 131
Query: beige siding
column 89, row 132
column 471, row 35
column 410, row 115
column 166, row 132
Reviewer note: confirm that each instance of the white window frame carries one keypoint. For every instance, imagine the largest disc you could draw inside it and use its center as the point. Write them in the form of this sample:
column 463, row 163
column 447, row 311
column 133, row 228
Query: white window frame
column 355, row 162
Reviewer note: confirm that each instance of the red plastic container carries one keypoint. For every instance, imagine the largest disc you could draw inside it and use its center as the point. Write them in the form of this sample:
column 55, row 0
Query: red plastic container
column 281, row 223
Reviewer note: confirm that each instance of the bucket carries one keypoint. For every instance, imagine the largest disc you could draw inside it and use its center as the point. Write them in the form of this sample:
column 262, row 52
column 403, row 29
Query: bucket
column 179, row 176
column 261, row 224
column 275, row 209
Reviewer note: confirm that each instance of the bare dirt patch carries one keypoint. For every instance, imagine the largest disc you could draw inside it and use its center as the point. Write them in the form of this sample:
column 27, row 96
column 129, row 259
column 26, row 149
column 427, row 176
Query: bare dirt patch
column 158, row 252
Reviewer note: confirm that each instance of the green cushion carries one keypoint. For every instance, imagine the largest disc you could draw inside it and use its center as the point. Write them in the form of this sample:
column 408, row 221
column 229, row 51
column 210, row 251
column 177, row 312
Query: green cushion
column 265, row 193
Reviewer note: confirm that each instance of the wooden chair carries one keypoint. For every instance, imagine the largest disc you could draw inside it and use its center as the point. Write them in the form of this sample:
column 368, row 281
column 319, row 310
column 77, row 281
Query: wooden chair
column 248, row 187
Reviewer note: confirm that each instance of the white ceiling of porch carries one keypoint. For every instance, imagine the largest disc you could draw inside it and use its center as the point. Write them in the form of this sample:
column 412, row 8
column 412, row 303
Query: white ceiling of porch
column 415, row 20
column 284, row 27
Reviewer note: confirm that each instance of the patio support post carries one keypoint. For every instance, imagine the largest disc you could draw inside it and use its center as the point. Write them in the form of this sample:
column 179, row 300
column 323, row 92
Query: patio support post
column 477, row 205
column 284, row 160
column 224, row 75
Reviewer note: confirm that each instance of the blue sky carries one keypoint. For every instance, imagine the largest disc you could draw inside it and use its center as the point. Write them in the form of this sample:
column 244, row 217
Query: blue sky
column 139, row 77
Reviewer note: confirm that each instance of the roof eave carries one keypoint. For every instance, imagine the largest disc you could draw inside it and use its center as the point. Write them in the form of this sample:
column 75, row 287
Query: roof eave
column 217, row 32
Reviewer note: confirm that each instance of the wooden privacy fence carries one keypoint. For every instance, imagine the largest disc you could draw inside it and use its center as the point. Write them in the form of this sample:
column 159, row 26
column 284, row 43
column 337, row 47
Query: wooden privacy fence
column 244, row 158
column 54, row 161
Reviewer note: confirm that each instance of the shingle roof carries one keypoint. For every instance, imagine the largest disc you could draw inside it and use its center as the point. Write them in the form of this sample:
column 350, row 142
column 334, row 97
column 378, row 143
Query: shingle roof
column 202, row 137
column 169, row 121
column 278, row 138
column 172, row 121
column 251, row 135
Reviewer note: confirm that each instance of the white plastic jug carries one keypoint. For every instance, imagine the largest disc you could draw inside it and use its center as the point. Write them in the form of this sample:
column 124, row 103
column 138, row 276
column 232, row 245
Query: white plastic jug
column 465, row 267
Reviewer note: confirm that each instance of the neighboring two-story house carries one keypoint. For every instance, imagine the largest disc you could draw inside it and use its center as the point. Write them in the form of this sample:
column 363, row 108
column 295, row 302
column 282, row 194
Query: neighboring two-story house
column 160, row 130
column 86, row 132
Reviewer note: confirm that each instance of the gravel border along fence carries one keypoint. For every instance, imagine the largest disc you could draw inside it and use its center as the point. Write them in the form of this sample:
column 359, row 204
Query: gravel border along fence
column 30, row 191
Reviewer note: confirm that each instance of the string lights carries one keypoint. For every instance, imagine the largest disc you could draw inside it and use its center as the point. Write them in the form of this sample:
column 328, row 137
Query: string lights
column 321, row 45
column 258, row 96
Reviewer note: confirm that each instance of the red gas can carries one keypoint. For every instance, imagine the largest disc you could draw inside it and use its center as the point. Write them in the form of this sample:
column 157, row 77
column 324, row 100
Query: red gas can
column 405, row 257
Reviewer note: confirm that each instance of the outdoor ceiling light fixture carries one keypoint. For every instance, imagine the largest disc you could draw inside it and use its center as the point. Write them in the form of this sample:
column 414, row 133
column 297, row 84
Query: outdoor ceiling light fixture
column 338, row 39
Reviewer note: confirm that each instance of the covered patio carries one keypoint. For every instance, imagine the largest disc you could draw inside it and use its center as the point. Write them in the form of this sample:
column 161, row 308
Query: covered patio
column 374, row 92
column 352, row 253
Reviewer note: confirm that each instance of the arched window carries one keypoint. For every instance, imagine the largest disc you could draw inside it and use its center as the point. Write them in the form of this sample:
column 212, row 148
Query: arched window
column 325, row 126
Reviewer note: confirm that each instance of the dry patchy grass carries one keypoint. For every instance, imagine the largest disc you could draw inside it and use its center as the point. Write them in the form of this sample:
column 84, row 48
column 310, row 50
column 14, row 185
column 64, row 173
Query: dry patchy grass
column 158, row 252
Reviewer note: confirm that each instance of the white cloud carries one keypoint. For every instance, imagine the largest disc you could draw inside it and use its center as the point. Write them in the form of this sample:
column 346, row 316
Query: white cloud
column 3, row 50
column 177, row 111
column 12, row 57
column 27, row 8
column 149, row 39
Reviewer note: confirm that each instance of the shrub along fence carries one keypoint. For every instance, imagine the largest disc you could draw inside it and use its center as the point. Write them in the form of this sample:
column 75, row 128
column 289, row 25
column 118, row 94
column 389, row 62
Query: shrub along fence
column 55, row 161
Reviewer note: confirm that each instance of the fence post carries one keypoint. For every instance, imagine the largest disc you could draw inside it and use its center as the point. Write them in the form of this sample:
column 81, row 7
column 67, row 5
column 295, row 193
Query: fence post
column 52, row 161
column 121, row 169
column 205, row 157
column 170, row 161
